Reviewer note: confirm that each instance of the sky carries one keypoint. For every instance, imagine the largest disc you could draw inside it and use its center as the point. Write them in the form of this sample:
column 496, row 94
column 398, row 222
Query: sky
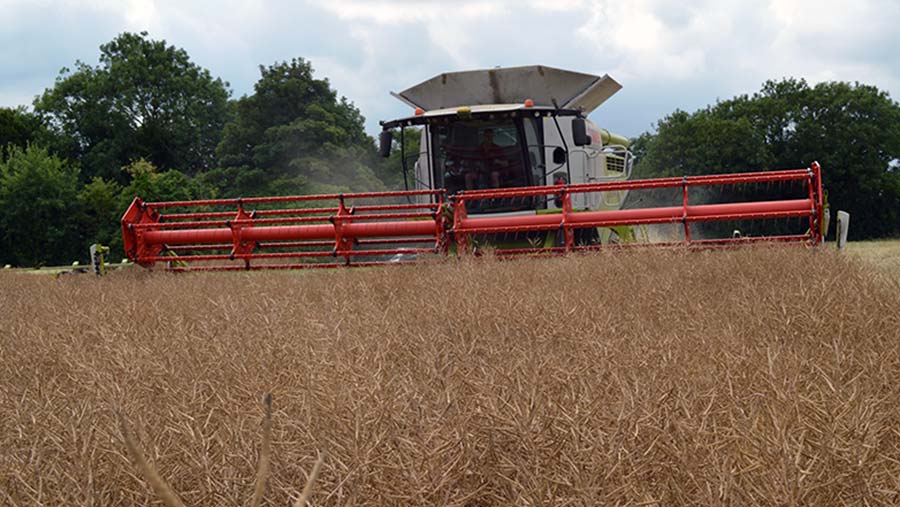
column 667, row 54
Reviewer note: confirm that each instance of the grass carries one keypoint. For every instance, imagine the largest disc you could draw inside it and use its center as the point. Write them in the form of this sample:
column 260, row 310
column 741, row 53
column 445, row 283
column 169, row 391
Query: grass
column 752, row 377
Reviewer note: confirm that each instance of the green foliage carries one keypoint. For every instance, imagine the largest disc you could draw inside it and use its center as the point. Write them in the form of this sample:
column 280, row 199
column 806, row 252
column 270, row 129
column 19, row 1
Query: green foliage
column 294, row 132
column 18, row 127
column 47, row 217
column 247, row 181
column 100, row 213
column 39, row 207
column 390, row 170
column 852, row 130
column 148, row 183
column 151, row 185
column 146, row 122
column 144, row 100
column 703, row 143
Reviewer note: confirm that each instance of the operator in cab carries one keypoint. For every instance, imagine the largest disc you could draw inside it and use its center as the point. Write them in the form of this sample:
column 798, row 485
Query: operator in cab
column 492, row 161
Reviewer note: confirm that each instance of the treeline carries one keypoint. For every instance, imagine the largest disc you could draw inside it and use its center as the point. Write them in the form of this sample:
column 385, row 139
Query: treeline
column 147, row 121
column 853, row 130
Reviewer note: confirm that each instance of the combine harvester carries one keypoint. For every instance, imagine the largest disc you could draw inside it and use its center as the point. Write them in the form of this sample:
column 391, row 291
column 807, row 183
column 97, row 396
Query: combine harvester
column 508, row 161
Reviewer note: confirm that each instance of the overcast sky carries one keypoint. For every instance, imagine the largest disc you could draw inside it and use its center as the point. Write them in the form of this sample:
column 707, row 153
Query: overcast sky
column 667, row 54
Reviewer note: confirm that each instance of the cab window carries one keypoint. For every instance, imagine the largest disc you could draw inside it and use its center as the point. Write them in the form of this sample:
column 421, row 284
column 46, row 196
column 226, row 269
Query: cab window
column 477, row 155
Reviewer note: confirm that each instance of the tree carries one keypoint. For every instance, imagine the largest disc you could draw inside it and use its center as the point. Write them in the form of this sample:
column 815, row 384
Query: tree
column 148, row 183
column 18, row 127
column 151, row 185
column 145, row 99
column 39, row 209
column 853, row 130
column 702, row 143
column 294, row 135
column 390, row 170
column 100, row 212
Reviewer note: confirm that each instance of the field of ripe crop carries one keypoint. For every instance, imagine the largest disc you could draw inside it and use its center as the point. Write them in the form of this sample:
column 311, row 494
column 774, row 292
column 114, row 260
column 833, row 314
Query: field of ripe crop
column 883, row 254
column 752, row 377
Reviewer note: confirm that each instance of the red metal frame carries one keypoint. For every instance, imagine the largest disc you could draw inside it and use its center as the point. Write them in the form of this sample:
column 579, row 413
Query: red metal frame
column 360, row 232
column 342, row 231
column 568, row 220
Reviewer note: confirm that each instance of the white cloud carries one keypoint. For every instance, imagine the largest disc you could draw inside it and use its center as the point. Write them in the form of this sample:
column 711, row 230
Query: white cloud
column 690, row 52
column 666, row 54
column 404, row 11
column 557, row 5
column 141, row 13
column 831, row 40
column 15, row 98
column 739, row 44
column 448, row 23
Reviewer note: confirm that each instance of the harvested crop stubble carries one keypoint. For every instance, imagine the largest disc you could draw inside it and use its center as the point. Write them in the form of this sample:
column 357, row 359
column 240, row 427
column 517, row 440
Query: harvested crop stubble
column 753, row 377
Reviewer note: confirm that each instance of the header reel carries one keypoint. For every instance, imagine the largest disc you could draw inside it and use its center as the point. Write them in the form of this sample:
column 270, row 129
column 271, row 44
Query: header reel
column 366, row 229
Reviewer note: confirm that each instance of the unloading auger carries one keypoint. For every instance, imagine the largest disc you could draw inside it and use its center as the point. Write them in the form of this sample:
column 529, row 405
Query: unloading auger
column 508, row 163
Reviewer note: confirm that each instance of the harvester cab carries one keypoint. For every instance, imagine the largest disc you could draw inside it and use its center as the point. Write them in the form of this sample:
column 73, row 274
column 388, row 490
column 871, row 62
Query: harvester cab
column 512, row 128
column 507, row 160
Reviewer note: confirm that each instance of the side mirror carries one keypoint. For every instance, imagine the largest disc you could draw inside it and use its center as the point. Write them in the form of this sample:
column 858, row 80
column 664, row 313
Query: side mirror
column 384, row 143
column 559, row 156
column 579, row 132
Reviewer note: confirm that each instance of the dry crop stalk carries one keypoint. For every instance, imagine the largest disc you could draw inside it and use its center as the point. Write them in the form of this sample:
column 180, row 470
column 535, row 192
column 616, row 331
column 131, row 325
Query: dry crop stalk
column 307, row 490
column 159, row 485
column 262, row 470
column 171, row 499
